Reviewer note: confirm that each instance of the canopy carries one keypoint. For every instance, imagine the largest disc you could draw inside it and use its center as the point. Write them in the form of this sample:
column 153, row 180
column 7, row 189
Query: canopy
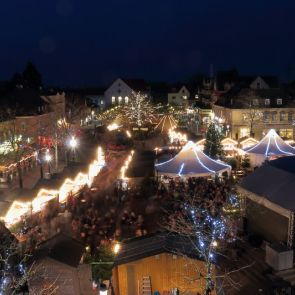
column 271, row 145
column 166, row 123
column 191, row 162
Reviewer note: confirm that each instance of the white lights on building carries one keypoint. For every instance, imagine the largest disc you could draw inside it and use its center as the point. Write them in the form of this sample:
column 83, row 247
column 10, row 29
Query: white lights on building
column 126, row 99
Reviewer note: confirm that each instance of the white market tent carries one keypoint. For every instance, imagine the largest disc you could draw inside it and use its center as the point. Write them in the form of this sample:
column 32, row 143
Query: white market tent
column 270, row 146
column 191, row 162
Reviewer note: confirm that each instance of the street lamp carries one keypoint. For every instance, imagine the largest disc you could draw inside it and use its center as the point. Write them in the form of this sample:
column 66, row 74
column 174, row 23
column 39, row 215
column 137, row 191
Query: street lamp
column 117, row 248
column 73, row 143
column 48, row 159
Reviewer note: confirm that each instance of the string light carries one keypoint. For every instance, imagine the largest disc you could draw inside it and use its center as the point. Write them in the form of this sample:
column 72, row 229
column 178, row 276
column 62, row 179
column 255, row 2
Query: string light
column 69, row 186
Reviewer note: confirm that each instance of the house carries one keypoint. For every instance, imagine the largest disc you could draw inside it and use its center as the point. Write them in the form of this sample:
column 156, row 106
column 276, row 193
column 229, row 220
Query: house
column 120, row 91
column 158, row 262
column 57, row 263
column 56, row 101
column 179, row 96
column 24, row 114
column 252, row 109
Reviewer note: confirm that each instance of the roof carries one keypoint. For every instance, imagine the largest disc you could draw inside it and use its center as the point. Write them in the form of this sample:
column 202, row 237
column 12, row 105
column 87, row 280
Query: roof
column 240, row 97
column 191, row 161
column 62, row 248
column 154, row 244
column 274, row 181
column 271, row 145
column 136, row 84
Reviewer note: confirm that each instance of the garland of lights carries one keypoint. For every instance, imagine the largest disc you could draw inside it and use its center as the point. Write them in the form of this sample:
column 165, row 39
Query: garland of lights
column 207, row 230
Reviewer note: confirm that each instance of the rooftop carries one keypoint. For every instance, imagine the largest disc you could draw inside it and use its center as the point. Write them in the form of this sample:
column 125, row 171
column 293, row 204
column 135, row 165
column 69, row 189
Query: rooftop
column 154, row 244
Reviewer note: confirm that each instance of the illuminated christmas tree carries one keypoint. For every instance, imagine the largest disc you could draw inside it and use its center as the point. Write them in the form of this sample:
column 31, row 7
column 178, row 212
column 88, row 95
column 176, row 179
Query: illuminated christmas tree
column 139, row 111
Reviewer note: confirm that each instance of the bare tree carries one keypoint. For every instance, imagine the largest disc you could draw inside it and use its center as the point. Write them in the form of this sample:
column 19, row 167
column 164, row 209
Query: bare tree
column 253, row 115
column 16, row 269
column 209, row 231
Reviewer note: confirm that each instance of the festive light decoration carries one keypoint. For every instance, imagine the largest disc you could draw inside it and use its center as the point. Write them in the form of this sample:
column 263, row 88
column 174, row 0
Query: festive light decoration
column 139, row 110
column 113, row 126
column 126, row 165
column 128, row 133
column 166, row 124
column 206, row 230
column 248, row 142
column 177, row 137
column 19, row 209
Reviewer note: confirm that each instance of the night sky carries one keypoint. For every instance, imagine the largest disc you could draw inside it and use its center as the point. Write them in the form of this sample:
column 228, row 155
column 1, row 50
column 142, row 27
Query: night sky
column 91, row 42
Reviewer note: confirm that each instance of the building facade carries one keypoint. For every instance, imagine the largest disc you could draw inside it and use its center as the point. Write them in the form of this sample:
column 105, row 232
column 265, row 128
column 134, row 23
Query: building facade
column 179, row 96
column 252, row 111
column 120, row 91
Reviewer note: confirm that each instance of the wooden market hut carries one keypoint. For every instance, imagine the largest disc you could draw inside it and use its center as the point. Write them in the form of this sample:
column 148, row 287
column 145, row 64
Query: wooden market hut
column 158, row 262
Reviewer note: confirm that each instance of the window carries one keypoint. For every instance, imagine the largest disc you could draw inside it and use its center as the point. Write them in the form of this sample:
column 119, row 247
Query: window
column 126, row 99
column 279, row 101
column 274, row 116
column 244, row 132
column 113, row 99
column 282, row 116
column 266, row 116
column 290, row 116
column 173, row 97
column 267, row 101
column 119, row 99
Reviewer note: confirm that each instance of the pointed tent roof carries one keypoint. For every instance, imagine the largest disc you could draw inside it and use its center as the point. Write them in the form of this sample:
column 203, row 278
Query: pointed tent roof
column 166, row 123
column 191, row 161
column 271, row 145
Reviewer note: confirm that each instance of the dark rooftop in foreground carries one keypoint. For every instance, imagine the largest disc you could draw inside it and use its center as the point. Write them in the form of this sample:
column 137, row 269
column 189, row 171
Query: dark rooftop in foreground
column 154, row 244
column 62, row 248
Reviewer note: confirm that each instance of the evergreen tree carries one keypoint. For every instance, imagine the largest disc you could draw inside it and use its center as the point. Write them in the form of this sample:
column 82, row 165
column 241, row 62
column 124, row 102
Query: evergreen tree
column 213, row 147
column 31, row 76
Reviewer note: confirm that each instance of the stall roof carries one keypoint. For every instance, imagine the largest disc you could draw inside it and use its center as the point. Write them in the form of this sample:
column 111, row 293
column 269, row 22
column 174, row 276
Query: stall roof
column 271, row 145
column 191, row 161
column 274, row 181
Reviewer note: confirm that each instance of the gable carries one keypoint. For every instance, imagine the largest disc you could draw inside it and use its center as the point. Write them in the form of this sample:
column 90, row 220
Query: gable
column 117, row 86
column 259, row 83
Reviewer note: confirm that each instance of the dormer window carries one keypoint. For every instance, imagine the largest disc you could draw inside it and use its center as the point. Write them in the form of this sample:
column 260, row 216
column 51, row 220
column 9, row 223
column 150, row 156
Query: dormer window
column 279, row 101
column 267, row 101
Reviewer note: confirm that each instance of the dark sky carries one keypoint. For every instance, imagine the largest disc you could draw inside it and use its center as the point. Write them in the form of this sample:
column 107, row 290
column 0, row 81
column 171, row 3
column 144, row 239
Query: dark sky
column 90, row 42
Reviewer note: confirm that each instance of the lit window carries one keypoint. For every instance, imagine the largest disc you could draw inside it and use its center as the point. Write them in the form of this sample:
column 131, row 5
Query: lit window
column 120, row 99
column 113, row 99
column 286, row 133
column 274, row 116
column 282, row 116
column 184, row 97
column 244, row 132
column 279, row 101
column 290, row 116
column 267, row 102
column 126, row 99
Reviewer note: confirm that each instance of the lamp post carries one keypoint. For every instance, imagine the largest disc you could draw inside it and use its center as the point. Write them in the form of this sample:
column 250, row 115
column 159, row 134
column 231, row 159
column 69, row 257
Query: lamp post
column 48, row 159
column 73, row 143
